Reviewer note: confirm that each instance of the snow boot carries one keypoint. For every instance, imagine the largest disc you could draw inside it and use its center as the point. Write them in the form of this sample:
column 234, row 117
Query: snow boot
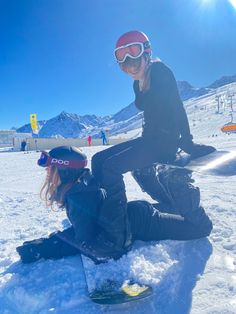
column 148, row 180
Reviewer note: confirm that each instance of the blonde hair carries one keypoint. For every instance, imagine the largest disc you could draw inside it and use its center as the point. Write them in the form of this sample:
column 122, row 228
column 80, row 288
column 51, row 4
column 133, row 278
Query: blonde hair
column 48, row 192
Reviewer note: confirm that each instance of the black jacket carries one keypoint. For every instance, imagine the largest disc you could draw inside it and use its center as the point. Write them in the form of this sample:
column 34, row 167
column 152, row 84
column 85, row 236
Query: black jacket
column 165, row 118
column 82, row 203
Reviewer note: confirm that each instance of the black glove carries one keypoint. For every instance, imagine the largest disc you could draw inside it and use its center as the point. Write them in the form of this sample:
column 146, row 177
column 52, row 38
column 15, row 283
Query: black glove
column 56, row 246
column 186, row 144
column 199, row 150
column 31, row 251
column 193, row 149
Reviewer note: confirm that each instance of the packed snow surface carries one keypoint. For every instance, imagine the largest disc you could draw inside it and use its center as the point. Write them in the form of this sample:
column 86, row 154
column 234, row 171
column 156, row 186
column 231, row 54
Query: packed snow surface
column 187, row 276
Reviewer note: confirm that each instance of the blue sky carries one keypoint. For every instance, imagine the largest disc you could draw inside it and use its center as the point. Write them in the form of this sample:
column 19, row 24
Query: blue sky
column 57, row 55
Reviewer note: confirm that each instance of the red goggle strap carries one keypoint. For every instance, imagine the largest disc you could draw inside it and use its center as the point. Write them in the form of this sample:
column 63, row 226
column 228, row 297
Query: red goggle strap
column 46, row 160
column 68, row 163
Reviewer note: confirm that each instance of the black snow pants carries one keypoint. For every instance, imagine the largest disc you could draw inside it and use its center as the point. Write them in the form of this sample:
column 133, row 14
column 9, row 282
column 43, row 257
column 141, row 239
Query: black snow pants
column 148, row 223
column 108, row 167
column 186, row 218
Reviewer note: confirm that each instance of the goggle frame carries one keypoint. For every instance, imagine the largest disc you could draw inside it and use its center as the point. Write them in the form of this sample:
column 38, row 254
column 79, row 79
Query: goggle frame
column 143, row 47
column 45, row 160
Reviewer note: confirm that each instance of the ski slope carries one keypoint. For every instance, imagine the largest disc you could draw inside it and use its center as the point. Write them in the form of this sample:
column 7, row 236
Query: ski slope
column 197, row 277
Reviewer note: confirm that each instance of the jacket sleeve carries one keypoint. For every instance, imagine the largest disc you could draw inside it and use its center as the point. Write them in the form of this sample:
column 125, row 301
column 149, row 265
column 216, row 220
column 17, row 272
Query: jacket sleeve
column 178, row 107
column 57, row 245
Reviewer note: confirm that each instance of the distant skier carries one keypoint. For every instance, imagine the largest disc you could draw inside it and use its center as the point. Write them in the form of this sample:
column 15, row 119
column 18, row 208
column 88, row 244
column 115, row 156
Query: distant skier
column 103, row 137
column 70, row 185
column 166, row 129
column 23, row 145
column 89, row 140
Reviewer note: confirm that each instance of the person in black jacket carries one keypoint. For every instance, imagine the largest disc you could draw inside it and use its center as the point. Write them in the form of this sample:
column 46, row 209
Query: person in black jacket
column 165, row 130
column 71, row 186
column 23, row 145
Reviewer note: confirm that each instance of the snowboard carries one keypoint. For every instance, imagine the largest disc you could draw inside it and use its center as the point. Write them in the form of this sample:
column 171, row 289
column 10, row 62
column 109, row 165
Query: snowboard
column 219, row 163
column 111, row 291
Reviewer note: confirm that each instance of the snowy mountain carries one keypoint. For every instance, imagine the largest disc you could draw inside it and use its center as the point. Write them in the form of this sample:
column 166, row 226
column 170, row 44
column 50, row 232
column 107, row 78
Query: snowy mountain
column 93, row 120
column 70, row 125
column 27, row 128
column 187, row 91
column 65, row 125
column 205, row 118
column 223, row 81
column 125, row 113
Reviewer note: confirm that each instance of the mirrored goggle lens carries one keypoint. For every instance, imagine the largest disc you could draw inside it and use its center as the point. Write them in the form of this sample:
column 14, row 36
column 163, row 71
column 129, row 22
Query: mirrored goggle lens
column 44, row 160
column 133, row 51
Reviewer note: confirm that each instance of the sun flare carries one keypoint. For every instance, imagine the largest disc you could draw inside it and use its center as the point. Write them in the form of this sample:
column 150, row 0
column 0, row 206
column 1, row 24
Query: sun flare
column 233, row 3
column 214, row 2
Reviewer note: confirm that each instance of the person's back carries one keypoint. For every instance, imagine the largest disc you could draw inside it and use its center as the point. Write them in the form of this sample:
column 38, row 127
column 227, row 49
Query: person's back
column 161, row 105
column 23, row 145
column 82, row 204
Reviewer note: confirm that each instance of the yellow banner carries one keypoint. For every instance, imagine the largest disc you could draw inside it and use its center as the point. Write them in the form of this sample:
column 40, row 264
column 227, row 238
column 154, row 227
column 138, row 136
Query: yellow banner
column 33, row 122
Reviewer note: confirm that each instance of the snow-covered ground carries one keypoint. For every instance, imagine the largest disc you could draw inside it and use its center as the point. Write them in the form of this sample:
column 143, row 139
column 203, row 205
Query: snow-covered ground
column 187, row 277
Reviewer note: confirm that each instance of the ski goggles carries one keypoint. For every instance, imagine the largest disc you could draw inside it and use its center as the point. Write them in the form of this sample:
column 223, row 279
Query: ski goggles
column 133, row 50
column 45, row 160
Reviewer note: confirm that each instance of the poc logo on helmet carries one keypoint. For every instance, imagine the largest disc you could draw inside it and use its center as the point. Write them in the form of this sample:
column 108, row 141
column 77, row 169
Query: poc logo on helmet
column 60, row 162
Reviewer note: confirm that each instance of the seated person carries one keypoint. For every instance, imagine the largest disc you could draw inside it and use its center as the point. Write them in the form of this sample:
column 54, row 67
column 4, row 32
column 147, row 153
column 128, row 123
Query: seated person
column 70, row 185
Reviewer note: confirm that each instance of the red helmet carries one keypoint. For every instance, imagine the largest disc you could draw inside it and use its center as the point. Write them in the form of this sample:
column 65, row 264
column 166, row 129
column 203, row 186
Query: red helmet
column 134, row 37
